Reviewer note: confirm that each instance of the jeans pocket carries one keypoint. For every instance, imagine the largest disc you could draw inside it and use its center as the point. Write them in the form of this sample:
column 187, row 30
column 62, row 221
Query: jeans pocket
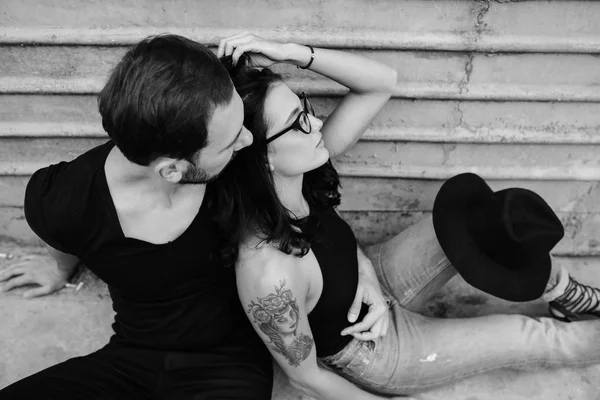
column 355, row 360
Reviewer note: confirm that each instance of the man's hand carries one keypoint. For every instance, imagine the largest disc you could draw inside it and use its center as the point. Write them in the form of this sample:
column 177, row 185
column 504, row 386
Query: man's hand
column 376, row 322
column 34, row 270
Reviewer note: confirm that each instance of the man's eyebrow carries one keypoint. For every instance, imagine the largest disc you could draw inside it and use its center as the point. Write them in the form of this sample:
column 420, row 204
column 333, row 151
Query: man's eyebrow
column 235, row 139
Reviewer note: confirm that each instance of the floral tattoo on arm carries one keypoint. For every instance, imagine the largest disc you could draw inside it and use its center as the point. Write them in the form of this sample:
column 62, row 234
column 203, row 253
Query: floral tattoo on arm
column 277, row 316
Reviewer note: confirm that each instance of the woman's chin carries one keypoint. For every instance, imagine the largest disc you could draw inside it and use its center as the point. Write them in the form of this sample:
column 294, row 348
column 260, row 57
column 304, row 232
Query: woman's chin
column 323, row 154
column 321, row 158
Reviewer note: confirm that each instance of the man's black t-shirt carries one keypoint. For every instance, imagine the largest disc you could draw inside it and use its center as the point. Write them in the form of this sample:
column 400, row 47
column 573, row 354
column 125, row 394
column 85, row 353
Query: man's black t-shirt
column 173, row 296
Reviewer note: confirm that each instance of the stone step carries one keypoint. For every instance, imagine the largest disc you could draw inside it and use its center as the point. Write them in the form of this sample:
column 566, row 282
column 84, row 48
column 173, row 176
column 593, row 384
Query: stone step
column 409, row 195
column 422, row 75
column 41, row 332
column 400, row 120
column 93, row 291
column 379, row 207
column 500, row 161
column 23, row 156
column 530, row 26
column 582, row 229
column 405, row 195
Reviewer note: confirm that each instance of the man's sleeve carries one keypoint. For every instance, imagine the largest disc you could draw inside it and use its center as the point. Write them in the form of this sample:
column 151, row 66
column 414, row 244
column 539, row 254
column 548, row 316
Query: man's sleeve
column 51, row 209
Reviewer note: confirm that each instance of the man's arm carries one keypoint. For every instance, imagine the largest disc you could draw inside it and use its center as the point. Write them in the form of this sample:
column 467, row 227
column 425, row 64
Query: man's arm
column 49, row 273
column 66, row 263
column 49, row 211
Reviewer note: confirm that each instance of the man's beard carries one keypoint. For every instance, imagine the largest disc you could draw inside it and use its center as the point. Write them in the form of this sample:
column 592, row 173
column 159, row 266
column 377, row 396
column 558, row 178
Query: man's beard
column 197, row 176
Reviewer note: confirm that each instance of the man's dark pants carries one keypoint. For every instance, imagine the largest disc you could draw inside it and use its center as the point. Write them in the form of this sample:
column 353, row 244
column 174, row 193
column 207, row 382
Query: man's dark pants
column 118, row 372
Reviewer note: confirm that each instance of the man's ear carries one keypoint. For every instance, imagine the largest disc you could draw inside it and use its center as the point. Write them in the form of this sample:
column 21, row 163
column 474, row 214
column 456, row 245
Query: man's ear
column 170, row 169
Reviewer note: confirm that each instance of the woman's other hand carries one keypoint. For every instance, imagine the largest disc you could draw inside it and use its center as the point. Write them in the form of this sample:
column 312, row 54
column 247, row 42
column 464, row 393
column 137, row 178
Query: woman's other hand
column 376, row 322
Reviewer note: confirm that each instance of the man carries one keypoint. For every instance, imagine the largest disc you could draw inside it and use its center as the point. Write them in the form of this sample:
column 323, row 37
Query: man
column 132, row 211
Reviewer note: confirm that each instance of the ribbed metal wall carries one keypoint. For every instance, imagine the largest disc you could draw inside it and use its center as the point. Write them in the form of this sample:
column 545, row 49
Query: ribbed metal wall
column 509, row 90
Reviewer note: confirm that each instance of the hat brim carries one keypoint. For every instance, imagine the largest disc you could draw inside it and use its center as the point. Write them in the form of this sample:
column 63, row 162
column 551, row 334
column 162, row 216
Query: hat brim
column 524, row 281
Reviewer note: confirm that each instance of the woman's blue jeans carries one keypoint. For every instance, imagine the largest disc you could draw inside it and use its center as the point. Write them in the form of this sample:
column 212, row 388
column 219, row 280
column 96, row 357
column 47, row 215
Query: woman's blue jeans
column 420, row 353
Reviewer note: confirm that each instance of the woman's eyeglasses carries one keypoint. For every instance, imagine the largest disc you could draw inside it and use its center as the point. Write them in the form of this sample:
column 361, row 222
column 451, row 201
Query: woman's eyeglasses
column 302, row 122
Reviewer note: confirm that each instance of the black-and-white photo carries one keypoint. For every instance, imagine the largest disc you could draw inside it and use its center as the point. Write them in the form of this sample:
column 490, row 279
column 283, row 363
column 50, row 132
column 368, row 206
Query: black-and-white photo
column 299, row 199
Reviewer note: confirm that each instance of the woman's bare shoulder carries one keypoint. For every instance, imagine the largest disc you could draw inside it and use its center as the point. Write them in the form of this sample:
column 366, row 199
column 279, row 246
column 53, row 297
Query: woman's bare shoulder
column 258, row 259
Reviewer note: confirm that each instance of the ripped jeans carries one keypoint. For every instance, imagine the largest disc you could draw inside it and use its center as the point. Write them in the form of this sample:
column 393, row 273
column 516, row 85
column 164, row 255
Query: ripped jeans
column 421, row 353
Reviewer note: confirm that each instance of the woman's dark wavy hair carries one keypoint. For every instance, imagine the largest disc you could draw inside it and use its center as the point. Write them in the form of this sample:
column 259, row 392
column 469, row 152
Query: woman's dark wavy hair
column 244, row 199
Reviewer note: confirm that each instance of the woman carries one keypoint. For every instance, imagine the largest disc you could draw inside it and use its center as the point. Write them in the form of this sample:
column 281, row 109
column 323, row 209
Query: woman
column 297, row 262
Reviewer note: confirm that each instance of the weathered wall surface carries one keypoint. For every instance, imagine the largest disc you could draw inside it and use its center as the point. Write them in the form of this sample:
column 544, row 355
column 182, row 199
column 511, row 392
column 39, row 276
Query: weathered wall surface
column 509, row 90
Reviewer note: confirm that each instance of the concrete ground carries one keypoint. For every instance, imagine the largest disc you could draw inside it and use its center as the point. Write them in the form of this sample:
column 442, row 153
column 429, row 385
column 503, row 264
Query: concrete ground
column 35, row 334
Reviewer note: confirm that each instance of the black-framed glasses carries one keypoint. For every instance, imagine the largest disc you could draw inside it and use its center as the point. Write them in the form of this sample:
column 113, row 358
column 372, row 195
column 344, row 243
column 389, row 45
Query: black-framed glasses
column 302, row 122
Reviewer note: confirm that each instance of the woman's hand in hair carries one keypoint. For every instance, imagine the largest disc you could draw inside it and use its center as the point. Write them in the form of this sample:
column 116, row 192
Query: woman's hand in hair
column 260, row 52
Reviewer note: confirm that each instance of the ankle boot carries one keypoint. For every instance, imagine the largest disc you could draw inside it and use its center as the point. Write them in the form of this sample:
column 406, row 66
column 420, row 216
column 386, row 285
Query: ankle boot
column 577, row 300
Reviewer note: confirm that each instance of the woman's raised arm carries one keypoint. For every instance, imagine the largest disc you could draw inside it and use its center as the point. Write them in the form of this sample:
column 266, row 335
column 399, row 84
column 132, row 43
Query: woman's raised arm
column 371, row 83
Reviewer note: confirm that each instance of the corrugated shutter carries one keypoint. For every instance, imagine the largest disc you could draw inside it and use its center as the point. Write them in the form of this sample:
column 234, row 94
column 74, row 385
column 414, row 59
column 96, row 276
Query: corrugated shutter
column 509, row 90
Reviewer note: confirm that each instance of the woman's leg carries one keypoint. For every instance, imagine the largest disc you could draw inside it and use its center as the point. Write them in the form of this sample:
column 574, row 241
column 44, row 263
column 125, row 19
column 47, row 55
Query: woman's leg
column 412, row 266
column 421, row 353
column 570, row 299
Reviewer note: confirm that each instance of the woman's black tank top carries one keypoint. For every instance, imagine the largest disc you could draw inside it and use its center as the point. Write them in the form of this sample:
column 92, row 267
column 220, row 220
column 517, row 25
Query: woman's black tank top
column 335, row 250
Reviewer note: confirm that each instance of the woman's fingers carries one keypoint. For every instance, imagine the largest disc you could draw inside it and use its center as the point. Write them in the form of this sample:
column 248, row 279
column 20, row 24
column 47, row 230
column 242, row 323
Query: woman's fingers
column 375, row 312
column 231, row 45
column 264, row 53
column 241, row 49
column 227, row 45
column 386, row 325
column 377, row 327
column 356, row 305
column 364, row 336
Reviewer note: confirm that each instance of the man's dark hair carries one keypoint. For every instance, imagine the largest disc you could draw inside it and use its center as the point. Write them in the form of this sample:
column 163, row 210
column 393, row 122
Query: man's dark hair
column 160, row 98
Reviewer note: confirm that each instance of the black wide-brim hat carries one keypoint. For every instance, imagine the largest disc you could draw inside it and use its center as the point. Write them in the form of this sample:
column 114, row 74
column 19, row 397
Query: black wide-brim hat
column 499, row 242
